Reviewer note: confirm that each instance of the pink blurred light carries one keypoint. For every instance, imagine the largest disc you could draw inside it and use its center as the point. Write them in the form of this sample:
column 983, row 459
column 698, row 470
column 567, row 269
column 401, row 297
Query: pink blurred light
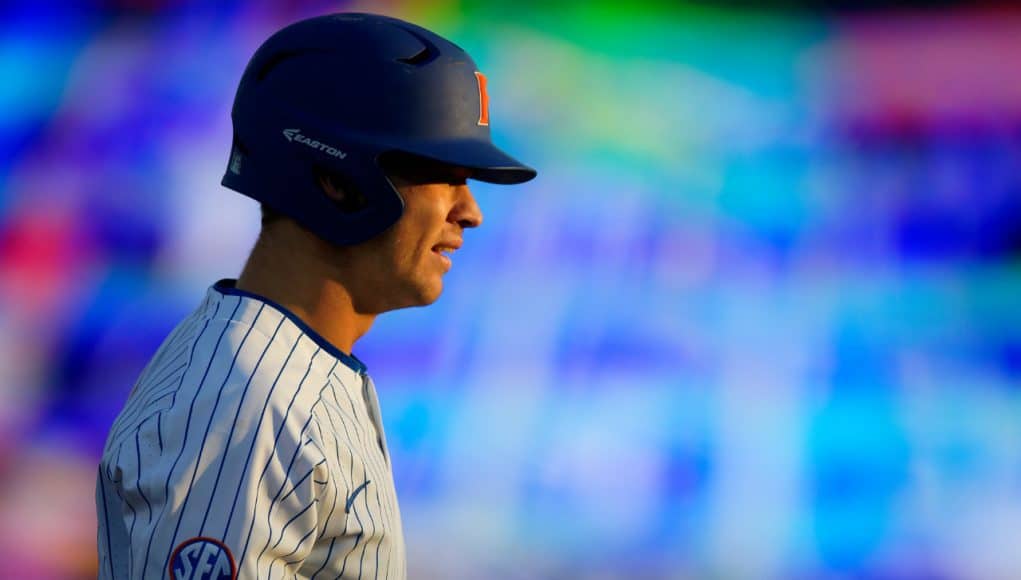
column 40, row 251
column 919, row 69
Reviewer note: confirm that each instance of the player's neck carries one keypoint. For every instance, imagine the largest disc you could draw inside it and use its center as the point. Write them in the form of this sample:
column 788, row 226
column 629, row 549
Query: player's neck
column 299, row 280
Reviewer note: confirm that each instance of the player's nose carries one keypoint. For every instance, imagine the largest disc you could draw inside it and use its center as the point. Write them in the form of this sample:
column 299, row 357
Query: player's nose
column 466, row 211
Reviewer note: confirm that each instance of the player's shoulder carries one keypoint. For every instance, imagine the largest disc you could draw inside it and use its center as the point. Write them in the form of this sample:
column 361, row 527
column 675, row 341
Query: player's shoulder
column 255, row 360
column 242, row 380
column 239, row 359
column 161, row 378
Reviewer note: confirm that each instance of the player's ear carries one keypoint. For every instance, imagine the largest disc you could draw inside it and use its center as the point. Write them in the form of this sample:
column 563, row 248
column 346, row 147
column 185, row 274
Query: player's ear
column 344, row 195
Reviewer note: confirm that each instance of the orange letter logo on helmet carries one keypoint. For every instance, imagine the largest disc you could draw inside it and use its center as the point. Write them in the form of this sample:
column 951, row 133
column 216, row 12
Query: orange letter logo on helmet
column 483, row 99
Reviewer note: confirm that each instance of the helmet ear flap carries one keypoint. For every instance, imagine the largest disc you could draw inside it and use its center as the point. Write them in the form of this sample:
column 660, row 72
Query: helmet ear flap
column 341, row 191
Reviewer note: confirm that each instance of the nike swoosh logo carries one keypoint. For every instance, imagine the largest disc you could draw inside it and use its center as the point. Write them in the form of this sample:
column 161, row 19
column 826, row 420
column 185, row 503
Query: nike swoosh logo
column 351, row 498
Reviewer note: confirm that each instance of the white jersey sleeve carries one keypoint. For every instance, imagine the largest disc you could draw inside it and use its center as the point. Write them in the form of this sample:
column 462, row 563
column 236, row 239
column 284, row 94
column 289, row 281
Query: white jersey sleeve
column 249, row 448
column 226, row 481
column 246, row 519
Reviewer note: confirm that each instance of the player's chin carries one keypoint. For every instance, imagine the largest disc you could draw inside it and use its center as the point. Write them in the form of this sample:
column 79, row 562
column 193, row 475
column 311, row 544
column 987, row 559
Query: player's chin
column 425, row 292
column 431, row 293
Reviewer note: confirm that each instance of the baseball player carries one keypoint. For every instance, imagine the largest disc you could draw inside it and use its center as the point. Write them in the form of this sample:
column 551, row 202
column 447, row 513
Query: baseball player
column 252, row 445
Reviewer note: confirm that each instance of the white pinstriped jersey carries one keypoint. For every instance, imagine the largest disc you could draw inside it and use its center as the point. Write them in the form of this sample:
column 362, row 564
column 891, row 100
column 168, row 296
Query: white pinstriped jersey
column 249, row 448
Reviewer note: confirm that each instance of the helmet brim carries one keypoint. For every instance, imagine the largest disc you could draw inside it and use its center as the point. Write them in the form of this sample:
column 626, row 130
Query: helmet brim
column 485, row 161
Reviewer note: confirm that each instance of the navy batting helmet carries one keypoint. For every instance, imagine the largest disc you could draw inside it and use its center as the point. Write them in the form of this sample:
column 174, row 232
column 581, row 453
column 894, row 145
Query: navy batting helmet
column 336, row 93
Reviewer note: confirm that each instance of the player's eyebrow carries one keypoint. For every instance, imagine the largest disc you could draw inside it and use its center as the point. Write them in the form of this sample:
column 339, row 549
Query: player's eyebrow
column 427, row 175
column 418, row 170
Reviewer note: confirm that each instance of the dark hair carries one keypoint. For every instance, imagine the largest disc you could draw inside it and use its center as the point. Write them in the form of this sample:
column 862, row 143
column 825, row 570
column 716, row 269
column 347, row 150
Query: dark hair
column 269, row 215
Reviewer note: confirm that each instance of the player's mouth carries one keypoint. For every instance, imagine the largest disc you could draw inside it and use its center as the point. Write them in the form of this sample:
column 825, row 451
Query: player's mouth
column 444, row 249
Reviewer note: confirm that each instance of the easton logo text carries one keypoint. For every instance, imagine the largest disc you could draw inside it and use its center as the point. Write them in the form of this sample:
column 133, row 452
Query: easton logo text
column 295, row 135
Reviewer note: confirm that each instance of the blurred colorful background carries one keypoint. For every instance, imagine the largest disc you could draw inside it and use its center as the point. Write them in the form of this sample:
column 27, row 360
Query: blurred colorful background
column 758, row 317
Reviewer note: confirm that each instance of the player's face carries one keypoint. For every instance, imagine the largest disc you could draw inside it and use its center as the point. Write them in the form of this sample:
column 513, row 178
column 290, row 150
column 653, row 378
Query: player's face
column 404, row 266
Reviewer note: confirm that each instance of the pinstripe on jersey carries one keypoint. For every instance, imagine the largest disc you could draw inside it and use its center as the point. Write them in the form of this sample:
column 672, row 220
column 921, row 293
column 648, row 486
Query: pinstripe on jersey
column 248, row 433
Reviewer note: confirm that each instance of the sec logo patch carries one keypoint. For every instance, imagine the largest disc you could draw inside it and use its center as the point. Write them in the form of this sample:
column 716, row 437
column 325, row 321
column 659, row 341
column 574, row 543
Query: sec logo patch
column 202, row 559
